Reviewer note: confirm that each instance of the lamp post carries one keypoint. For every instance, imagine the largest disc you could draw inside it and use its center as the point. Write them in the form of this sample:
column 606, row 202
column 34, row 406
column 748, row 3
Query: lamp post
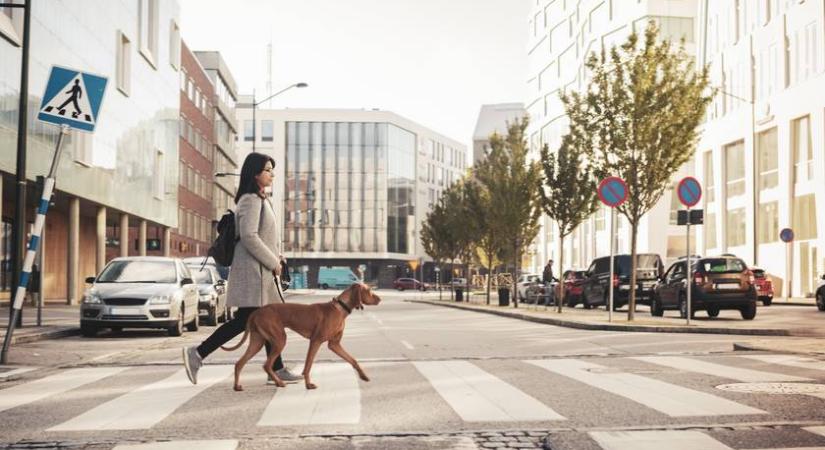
column 255, row 106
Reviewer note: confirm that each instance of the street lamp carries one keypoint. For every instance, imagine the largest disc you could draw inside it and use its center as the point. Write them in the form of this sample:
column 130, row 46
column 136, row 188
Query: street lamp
column 255, row 106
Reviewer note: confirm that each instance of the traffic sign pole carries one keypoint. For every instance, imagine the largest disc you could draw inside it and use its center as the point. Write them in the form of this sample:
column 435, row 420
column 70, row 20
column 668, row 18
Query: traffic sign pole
column 787, row 236
column 612, row 268
column 690, row 192
column 689, row 270
column 612, row 192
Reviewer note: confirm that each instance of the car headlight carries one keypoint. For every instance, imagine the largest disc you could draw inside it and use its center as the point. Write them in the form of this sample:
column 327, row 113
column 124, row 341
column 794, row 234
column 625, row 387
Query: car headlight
column 160, row 300
column 92, row 299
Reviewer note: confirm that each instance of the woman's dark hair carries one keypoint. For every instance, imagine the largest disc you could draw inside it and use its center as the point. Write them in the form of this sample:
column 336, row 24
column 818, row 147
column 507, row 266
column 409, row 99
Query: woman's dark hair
column 253, row 165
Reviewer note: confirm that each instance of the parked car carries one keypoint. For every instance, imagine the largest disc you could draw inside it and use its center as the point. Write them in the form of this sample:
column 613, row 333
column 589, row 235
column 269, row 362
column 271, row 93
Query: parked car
column 199, row 261
column 820, row 294
column 409, row 283
column 722, row 282
column 764, row 286
column 141, row 292
column 336, row 277
column 597, row 283
column 572, row 281
column 212, row 294
column 458, row 283
column 525, row 281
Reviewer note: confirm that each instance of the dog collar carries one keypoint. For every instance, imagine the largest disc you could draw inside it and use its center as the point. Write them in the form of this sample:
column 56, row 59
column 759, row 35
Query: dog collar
column 344, row 305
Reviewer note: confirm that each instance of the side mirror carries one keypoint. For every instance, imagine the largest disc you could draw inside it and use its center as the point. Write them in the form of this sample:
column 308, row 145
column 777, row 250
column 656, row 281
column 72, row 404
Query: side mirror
column 90, row 280
column 185, row 281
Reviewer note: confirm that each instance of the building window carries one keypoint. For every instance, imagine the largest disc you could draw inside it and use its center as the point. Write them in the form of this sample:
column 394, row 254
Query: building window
column 159, row 176
column 710, row 183
column 675, row 205
column 148, row 30
column 600, row 219
column 735, row 169
column 768, row 222
column 804, row 217
column 174, row 45
column 710, row 230
column 736, row 227
column 248, row 130
column 124, row 64
column 803, row 155
column 266, row 130
column 768, row 159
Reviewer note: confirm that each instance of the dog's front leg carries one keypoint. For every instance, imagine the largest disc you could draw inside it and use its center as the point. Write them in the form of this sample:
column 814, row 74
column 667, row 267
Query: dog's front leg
column 336, row 347
column 314, row 345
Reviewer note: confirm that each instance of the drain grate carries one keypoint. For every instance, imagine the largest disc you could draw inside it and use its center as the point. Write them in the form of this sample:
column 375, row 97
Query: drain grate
column 774, row 388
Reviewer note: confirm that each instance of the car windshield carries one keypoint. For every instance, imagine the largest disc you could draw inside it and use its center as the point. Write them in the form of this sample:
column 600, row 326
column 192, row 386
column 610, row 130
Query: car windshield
column 201, row 276
column 647, row 261
column 723, row 265
column 139, row 272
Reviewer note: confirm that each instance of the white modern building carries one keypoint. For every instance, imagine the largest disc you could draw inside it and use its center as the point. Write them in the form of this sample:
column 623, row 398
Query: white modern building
column 493, row 119
column 761, row 156
column 562, row 34
column 355, row 185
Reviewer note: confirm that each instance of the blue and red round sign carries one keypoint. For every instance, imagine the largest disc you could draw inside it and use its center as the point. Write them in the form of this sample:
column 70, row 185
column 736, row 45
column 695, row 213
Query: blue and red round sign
column 689, row 191
column 786, row 235
column 612, row 191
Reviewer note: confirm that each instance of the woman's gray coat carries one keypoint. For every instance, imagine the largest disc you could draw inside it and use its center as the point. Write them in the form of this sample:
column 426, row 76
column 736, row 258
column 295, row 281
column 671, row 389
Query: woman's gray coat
column 251, row 283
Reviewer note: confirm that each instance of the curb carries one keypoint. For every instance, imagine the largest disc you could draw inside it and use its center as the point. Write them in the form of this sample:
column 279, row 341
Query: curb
column 617, row 327
column 43, row 335
column 749, row 347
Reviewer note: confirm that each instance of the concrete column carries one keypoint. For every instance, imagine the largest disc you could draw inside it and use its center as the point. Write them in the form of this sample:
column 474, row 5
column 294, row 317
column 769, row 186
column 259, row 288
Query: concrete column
column 73, row 251
column 142, row 238
column 100, row 241
column 124, row 234
column 167, row 246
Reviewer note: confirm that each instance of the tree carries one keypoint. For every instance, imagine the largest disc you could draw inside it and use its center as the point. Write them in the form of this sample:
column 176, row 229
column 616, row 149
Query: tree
column 436, row 235
column 568, row 189
column 641, row 109
column 464, row 229
column 486, row 221
column 510, row 180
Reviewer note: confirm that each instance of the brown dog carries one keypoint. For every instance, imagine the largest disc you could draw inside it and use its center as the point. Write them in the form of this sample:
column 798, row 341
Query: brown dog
column 318, row 322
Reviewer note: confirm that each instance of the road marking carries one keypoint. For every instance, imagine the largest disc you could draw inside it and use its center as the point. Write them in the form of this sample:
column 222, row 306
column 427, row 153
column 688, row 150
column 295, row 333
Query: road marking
column 718, row 370
column 789, row 360
column 15, row 371
column 408, row 345
column 183, row 445
column 656, row 440
column 816, row 430
column 337, row 400
column 147, row 405
column 477, row 396
column 673, row 400
column 53, row 385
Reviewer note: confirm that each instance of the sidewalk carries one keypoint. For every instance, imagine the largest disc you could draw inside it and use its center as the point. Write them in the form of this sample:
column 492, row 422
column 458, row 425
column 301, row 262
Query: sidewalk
column 59, row 320
column 770, row 321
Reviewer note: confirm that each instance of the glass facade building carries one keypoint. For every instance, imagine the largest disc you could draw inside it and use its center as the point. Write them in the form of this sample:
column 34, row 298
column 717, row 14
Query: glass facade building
column 349, row 187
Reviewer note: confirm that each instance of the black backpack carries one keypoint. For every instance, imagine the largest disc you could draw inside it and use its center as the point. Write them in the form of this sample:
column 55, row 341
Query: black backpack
column 223, row 249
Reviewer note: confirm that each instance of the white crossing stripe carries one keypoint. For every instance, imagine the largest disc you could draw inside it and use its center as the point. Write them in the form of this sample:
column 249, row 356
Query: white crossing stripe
column 408, row 345
column 656, row 440
column 227, row 444
column 673, row 400
column 816, row 430
column 147, row 405
column 477, row 396
column 52, row 385
column 790, row 360
column 718, row 370
column 14, row 371
column 337, row 400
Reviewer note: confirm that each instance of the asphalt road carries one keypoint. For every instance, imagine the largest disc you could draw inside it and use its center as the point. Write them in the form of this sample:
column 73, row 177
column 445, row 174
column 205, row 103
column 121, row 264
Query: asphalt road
column 440, row 378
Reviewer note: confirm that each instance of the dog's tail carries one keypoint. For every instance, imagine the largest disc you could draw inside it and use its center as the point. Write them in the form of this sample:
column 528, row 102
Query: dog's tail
column 243, row 339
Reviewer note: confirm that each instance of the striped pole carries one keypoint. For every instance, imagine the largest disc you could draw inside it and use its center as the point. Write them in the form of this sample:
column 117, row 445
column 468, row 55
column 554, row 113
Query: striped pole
column 34, row 242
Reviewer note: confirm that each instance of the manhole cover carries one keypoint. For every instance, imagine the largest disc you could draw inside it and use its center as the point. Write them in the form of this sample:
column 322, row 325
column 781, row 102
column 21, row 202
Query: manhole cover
column 774, row 388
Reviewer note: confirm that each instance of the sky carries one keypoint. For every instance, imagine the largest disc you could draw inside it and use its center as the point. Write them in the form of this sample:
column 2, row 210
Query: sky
column 433, row 61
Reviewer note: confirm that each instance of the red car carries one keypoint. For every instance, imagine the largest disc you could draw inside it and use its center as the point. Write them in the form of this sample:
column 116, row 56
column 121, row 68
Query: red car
column 573, row 285
column 408, row 283
column 764, row 286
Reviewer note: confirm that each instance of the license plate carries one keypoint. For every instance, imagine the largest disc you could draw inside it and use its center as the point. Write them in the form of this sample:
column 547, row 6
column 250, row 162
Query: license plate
column 727, row 286
column 125, row 311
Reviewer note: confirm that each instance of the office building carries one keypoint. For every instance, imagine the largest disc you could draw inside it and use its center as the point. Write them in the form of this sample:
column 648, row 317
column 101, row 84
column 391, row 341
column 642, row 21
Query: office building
column 493, row 119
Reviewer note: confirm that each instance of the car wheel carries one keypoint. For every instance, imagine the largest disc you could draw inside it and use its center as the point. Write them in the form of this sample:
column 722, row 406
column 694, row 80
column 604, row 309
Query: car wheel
column 748, row 312
column 820, row 300
column 177, row 328
column 656, row 309
column 713, row 311
column 194, row 324
column 683, row 308
column 212, row 319
column 767, row 301
column 400, row 288
column 324, row 286
column 88, row 330
column 586, row 306
column 571, row 302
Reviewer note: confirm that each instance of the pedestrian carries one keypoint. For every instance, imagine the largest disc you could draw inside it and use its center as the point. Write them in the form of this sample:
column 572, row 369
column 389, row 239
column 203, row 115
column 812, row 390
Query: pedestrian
column 547, row 278
column 257, row 255
column 33, row 291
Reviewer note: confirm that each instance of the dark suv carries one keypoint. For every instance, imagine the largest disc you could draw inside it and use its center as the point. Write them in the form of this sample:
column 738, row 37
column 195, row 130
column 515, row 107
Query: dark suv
column 597, row 282
column 722, row 282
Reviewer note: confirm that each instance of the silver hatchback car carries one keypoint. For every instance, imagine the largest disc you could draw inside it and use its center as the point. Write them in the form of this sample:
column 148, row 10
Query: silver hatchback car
column 141, row 292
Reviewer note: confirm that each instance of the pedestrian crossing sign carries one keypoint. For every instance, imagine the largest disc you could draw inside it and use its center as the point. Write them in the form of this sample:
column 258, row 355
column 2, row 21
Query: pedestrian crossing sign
column 72, row 98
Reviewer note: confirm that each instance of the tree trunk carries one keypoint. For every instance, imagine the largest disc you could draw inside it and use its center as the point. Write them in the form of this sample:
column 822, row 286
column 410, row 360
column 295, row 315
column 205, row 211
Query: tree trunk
column 489, row 280
column 631, row 305
column 438, row 280
column 516, row 257
column 561, row 271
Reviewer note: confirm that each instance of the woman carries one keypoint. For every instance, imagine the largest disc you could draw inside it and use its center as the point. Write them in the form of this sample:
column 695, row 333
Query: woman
column 257, row 258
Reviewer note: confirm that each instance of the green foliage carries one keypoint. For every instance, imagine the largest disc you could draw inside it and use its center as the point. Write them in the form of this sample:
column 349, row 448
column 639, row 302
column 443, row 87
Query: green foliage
column 640, row 113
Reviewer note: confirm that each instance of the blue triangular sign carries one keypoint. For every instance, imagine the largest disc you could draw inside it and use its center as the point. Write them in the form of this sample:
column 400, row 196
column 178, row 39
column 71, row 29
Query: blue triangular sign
column 72, row 98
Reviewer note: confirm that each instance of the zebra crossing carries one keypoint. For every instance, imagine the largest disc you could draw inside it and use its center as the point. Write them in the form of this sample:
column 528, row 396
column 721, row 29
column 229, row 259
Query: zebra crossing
column 470, row 393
